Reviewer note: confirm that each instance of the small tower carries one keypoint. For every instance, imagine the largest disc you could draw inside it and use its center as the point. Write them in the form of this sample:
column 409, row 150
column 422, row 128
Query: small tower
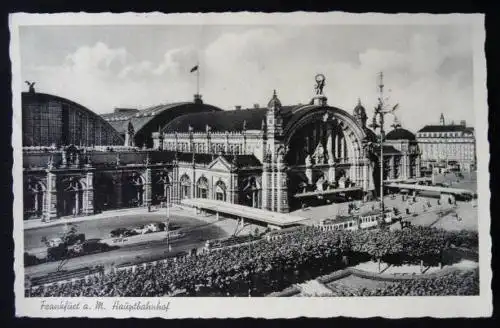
column 274, row 175
column 129, row 136
column 274, row 124
column 396, row 124
column 441, row 119
column 359, row 114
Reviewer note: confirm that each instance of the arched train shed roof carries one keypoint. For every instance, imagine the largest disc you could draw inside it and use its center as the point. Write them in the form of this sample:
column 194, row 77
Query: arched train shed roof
column 252, row 118
column 50, row 119
column 151, row 119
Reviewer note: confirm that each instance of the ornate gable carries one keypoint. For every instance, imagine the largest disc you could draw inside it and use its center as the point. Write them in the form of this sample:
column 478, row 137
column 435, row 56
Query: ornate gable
column 220, row 164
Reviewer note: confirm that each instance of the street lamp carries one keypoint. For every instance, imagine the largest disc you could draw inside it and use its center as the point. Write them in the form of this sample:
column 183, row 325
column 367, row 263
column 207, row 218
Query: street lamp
column 167, row 223
column 380, row 111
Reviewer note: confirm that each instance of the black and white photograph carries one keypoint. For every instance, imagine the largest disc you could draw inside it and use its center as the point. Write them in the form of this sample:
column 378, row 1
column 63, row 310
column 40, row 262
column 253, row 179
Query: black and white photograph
column 283, row 165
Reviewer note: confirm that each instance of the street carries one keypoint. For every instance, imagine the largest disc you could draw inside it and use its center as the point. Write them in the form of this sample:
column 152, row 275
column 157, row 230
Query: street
column 130, row 254
column 196, row 233
column 102, row 227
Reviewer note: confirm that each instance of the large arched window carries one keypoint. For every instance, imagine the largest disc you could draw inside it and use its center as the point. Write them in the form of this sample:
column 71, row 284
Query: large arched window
column 72, row 196
column 160, row 188
column 202, row 188
column 134, row 190
column 251, row 192
column 220, row 191
column 185, row 184
column 34, row 199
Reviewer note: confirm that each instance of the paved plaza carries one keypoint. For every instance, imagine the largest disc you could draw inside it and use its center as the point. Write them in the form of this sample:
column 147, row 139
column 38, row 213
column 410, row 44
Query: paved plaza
column 441, row 215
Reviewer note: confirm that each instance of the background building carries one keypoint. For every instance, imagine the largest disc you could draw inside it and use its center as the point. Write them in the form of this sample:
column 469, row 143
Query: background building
column 448, row 145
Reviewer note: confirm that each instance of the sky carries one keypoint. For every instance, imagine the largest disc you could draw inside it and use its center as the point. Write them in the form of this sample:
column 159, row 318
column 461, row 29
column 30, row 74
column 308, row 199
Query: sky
column 428, row 70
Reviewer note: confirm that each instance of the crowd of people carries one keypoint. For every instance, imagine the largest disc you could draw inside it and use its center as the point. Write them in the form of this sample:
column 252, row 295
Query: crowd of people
column 255, row 269
column 460, row 283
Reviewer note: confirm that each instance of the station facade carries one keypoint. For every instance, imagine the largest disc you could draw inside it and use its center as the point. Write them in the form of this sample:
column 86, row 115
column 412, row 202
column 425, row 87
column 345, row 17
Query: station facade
column 277, row 157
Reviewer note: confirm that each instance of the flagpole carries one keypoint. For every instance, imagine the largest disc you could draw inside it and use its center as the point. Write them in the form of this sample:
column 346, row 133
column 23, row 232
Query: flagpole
column 198, row 78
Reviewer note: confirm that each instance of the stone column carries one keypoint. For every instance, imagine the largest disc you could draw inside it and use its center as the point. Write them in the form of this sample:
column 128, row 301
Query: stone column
column 329, row 143
column 265, row 186
column 282, row 199
column 208, row 144
column 160, row 141
column 330, row 152
column 342, row 149
column 118, row 189
column 278, row 188
column 51, row 198
column 417, row 161
column 234, row 189
column 404, row 164
column 175, row 188
column 77, row 203
column 226, row 143
column 193, row 184
column 88, row 206
column 273, row 188
column 309, row 173
column 308, row 144
column 147, row 187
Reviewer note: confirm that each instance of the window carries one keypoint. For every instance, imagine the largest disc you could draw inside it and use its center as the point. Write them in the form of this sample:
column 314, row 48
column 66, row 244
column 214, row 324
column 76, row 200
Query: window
column 202, row 187
column 185, row 183
column 220, row 191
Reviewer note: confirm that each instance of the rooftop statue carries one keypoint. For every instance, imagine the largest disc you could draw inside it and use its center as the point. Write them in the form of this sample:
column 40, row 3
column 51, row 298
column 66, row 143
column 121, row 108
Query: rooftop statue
column 31, row 86
column 320, row 84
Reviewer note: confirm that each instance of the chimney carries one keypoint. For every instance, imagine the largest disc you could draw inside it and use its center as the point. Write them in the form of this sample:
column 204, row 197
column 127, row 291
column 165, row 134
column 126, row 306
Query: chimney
column 237, row 107
column 452, row 122
column 256, row 106
column 463, row 123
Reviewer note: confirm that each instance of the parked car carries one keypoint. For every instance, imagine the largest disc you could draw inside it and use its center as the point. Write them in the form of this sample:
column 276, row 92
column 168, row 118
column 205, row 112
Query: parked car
column 55, row 242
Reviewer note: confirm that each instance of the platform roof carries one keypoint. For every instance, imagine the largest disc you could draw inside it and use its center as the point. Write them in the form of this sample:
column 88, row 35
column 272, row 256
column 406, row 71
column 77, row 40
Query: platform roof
column 246, row 212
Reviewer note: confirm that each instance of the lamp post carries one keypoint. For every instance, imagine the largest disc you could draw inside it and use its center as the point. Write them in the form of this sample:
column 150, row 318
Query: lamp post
column 167, row 224
column 380, row 111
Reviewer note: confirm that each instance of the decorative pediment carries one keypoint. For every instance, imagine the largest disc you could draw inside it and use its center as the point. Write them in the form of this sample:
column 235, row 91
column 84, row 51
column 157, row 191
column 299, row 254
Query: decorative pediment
column 220, row 164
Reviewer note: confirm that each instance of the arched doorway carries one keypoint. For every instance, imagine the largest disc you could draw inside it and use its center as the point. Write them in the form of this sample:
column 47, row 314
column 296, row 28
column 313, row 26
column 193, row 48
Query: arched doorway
column 34, row 198
column 220, row 191
column 104, row 193
column 251, row 192
column 133, row 193
column 322, row 143
column 160, row 188
column 329, row 140
column 72, row 197
column 202, row 188
column 185, row 186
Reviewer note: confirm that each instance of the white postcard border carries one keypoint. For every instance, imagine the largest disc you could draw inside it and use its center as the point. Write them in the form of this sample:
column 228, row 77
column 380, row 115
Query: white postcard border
column 208, row 307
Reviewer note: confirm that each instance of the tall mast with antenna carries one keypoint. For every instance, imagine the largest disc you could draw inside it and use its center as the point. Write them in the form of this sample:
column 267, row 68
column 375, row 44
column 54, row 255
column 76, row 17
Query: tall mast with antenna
column 382, row 136
column 380, row 111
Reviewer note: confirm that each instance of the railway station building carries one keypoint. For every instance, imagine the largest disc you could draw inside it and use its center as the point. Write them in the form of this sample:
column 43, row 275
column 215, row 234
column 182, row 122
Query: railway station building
column 275, row 157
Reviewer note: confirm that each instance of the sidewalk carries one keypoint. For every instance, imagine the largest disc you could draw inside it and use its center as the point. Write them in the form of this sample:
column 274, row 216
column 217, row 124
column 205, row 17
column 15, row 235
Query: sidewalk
column 35, row 224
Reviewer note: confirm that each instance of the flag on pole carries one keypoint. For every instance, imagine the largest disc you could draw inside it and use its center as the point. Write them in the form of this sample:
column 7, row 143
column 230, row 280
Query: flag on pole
column 194, row 69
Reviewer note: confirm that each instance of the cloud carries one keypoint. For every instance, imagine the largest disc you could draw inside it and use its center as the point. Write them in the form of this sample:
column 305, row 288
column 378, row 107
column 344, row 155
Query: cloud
column 432, row 74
